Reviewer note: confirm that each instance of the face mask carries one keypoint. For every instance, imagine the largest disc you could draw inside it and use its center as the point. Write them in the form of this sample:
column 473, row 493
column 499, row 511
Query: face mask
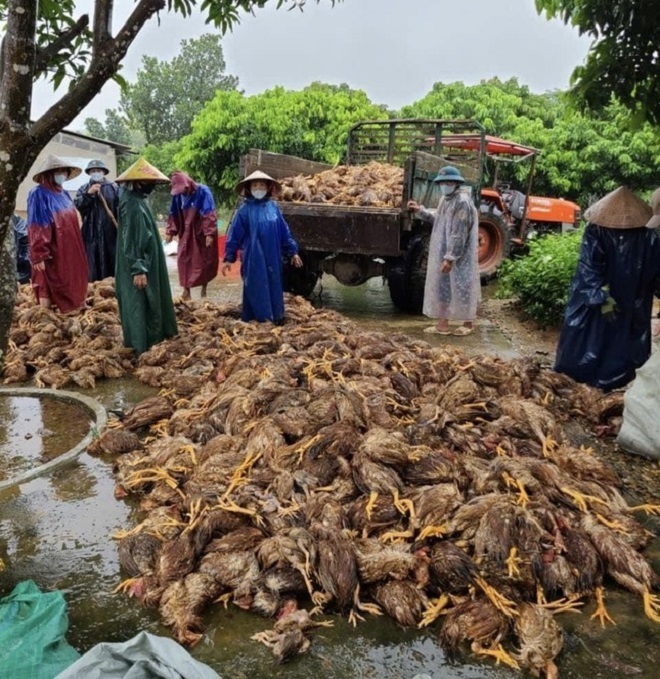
column 258, row 193
column 145, row 189
column 60, row 178
column 447, row 189
column 96, row 176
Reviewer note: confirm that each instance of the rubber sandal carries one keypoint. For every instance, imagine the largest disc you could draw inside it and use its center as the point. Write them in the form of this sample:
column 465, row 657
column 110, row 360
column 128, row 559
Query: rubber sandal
column 461, row 331
column 432, row 330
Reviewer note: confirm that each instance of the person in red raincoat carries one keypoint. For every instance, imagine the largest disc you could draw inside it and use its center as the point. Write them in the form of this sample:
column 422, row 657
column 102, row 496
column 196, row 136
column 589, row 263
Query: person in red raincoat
column 193, row 221
column 57, row 252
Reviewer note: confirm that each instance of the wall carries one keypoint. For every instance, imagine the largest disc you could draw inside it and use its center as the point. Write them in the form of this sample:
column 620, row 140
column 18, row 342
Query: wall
column 76, row 150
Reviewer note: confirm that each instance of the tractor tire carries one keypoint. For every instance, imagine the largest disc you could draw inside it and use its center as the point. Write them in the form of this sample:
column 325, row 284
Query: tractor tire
column 396, row 281
column 416, row 266
column 407, row 276
column 494, row 245
column 300, row 281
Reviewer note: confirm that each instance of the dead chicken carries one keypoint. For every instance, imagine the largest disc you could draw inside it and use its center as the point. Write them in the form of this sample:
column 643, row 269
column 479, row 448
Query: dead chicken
column 402, row 600
column 480, row 623
column 538, row 422
column 627, row 566
column 183, row 603
column 115, row 441
column 540, row 640
column 288, row 637
column 146, row 412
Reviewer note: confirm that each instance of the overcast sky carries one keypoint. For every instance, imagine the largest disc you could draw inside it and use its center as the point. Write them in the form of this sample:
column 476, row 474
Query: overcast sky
column 394, row 50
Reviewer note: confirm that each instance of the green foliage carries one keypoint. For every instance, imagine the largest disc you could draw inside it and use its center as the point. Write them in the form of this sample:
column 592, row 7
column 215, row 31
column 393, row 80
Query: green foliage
column 623, row 60
column 541, row 279
column 167, row 95
column 582, row 155
column 114, row 129
column 312, row 123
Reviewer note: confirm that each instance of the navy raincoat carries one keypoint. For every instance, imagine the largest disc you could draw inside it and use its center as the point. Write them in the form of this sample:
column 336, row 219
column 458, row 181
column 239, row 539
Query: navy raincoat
column 23, row 266
column 259, row 230
column 604, row 350
column 99, row 234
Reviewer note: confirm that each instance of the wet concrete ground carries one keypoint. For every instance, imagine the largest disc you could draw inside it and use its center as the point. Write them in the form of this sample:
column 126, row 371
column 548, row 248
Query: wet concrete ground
column 57, row 531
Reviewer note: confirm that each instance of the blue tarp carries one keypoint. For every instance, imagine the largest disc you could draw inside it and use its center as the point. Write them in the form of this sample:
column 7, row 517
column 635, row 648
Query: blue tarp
column 145, row 656
column 33, row 625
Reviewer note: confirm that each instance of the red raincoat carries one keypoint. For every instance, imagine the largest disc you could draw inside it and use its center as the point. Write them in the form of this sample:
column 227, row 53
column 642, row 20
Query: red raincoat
column 193, row 218
column 54, row 237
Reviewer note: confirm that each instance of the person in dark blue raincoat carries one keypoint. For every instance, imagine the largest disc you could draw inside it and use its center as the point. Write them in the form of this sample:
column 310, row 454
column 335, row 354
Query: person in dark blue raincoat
column 98, row 204
column 606, row 333
column 260, row 232
column 23, row 266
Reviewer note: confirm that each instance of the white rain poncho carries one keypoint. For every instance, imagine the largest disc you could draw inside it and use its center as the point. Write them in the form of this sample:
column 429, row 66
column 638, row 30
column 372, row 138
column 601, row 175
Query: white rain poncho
column 455, row 237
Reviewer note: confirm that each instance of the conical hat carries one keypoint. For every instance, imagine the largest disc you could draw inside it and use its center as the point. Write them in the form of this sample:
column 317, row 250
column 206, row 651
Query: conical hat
column 54, row 163
column 619, row 209
column 257, row 174
column 654, row 222
column 142, row 171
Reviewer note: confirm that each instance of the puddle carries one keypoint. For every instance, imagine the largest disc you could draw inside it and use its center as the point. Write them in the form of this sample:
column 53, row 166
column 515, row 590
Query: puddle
column 35, row 430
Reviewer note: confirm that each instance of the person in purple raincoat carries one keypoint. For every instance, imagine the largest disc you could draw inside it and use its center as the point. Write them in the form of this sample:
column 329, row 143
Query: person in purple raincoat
column 193, row 221
column 260, row 232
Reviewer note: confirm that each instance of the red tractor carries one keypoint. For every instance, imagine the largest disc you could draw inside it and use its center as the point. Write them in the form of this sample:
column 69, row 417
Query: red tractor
column 508, row 218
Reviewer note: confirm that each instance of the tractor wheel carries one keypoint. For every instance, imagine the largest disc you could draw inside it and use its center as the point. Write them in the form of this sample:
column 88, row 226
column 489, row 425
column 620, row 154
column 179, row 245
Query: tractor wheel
column 396, row 281
column 407, row 276
column 301, row 281
column 416, row 266
column 494, row 244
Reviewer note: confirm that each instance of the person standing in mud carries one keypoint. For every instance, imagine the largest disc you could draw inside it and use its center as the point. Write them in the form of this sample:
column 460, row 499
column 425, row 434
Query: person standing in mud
column 97, row 201
column 453, row 289
column 606, row 334
column 143, row 290
column 57, row 253
column 259, row 230
column 194, row 222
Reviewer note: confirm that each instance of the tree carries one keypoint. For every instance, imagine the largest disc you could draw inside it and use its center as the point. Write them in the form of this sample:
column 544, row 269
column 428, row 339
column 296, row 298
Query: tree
column 167, row 95
column 582, row 154
column 44, row 39
column 312, row 123
column 624, row 60
column 115, row 128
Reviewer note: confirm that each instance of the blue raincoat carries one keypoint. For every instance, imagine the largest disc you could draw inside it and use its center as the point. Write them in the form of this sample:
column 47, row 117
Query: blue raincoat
column 604, row 350
column 259, row 230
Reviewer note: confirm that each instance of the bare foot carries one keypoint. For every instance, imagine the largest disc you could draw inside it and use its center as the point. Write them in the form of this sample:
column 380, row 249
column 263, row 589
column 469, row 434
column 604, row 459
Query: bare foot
column 203, row 291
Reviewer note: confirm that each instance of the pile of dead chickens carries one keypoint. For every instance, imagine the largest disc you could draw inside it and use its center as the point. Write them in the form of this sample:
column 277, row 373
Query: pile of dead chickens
column 372, row 185
column 67, row 350
column 369, row 473
column 317, row 465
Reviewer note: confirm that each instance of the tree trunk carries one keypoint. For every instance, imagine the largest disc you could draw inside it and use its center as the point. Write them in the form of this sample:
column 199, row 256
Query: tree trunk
column 16, row 158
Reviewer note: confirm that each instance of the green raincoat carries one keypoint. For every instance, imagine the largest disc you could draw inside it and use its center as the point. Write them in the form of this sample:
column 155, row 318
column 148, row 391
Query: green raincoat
column 147, row 316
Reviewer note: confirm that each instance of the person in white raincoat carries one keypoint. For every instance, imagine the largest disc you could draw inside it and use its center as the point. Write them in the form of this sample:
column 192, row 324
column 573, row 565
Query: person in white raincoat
column 453, row 288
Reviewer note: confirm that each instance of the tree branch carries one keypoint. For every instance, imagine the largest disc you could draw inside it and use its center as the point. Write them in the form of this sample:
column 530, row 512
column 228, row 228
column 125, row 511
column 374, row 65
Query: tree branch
column 45, row 56
column 102, row 25
column 101, row 69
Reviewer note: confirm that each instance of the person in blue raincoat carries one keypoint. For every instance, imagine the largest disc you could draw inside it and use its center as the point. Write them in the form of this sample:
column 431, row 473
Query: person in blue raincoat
column 23, row 266
column 606, row 334
column 260, row 232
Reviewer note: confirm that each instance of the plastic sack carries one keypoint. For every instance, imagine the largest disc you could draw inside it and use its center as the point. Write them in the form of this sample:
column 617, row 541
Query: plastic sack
column 145, row 656
column 33, row 625
column 640, row 431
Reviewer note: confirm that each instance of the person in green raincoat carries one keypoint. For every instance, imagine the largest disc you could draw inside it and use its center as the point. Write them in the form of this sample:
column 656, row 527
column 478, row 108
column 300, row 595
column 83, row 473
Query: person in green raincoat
column 142, row 284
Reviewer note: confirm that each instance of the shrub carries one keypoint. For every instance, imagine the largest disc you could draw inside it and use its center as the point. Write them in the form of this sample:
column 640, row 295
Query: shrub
column 542, row 278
